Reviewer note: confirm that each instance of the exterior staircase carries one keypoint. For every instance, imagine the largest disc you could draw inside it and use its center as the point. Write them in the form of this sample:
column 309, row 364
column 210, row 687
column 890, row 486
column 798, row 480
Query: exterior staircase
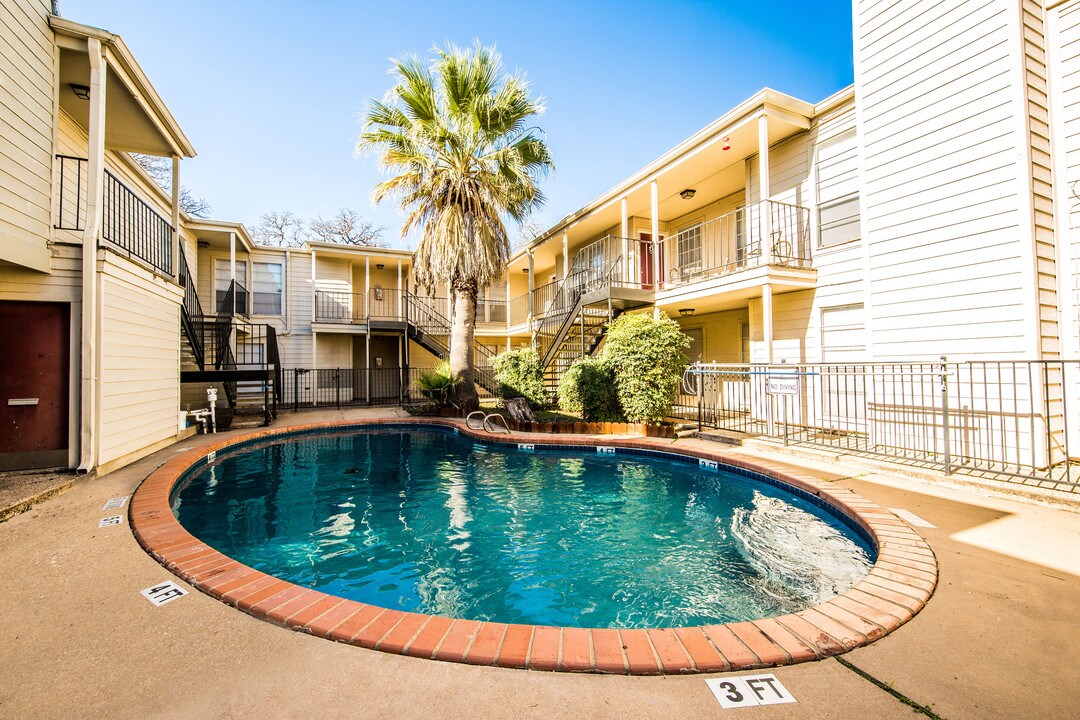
column 430, row 329
column 239, row 358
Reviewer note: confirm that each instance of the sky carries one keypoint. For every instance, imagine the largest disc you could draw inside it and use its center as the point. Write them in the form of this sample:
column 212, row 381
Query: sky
column 271, row 93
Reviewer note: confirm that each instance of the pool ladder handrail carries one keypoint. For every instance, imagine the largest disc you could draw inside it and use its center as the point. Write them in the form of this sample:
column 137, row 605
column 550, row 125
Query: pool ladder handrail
column 486, row 423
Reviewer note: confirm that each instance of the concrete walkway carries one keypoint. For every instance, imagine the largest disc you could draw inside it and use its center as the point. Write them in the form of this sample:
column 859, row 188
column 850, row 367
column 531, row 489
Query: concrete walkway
column 998, row 640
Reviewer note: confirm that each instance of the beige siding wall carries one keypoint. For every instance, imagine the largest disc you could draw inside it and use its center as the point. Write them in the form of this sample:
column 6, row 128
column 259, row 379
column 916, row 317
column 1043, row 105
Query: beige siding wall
column 140, row 359
column 841, row 268
column 1036, row 96
column 721, row 334
column 26, row 145
column 944, row 208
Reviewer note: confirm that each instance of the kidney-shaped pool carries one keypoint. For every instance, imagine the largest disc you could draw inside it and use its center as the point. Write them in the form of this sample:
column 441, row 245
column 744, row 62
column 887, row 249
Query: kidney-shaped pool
column 428, row 520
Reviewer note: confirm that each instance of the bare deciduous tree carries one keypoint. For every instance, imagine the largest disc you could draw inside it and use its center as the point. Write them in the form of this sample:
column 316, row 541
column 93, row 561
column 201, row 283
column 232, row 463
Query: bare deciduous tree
column 527, row 232
column 282, row 229
column 160, row 171
column 348, row 228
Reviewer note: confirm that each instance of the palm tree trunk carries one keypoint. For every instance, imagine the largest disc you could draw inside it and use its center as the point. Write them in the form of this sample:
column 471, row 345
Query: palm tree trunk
column 462, row 331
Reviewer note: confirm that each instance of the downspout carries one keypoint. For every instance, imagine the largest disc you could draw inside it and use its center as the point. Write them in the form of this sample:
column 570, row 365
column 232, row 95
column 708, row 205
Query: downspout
column 88, row 406
column 288, row 293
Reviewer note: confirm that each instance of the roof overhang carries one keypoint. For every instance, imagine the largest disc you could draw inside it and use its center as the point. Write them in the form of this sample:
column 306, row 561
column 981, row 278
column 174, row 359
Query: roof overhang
column 215, row 233
column 353, row 252
column 700, row 162
column 136, row 118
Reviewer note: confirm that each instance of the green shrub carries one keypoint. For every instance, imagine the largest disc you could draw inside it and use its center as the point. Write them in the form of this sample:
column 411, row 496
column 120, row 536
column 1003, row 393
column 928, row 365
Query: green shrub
column 588, row 388
column 646, row 357
column 438, row 383
column 520, row 375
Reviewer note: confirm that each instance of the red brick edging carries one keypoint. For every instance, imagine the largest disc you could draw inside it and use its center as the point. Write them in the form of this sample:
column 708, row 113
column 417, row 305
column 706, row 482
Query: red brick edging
column 897, row 587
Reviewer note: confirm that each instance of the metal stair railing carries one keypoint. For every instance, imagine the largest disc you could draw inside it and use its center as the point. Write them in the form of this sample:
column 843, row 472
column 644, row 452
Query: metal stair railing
column 426, row 325
column 567, row 304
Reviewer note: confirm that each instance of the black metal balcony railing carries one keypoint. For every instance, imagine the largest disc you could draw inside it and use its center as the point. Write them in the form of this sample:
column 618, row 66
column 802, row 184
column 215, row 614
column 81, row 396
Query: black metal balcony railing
column 339, row 307
column 129, row 224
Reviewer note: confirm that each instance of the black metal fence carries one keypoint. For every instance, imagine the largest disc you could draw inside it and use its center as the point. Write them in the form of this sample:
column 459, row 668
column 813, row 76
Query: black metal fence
column 1009, row 418
column 305, row 388
column 129, row 224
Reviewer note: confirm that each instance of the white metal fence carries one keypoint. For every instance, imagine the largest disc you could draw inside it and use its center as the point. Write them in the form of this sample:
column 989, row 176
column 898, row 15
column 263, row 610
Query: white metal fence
column 995, row 417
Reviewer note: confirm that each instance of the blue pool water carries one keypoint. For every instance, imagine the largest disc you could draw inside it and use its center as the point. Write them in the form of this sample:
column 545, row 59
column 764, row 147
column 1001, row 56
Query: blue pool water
column 427, row 520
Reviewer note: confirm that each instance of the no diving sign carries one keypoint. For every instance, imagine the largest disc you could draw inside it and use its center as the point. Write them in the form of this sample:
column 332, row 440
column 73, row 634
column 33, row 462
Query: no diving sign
column 785, row 384
column 749, row 691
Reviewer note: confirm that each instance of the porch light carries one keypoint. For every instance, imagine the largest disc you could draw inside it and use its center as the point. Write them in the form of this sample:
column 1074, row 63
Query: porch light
column 379, row 266
column 525, row 270
column 688, row 193
column 686, row 312
column 81, row 91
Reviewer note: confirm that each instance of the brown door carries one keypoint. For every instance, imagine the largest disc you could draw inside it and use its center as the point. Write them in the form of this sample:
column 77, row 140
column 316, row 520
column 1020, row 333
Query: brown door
column 34, row 384
column 645, row 253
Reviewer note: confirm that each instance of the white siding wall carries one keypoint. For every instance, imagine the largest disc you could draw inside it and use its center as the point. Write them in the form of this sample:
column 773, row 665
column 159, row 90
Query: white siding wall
column 26, row 145
column 943, row 208
column 140, row 351
column 841, row 275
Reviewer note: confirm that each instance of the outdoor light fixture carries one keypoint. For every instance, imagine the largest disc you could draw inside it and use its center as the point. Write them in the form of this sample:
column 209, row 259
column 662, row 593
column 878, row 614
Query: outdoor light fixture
column 727, row 144
column 686, row 312
column 525, row 270
column 687, row 193
column 203, row 244
column 81, row 91
column 379, row 266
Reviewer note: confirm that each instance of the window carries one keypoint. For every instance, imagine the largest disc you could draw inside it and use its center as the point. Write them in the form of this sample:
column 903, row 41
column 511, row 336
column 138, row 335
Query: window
column 843, row 333
column 740, row 235
column 221, row 282
column 696, row 351
column 266, row 288
column 689, row 249
column 837, row 171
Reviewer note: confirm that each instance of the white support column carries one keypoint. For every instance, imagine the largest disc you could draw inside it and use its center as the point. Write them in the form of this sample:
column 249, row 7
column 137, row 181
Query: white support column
column 367, row 363
column 400, row 295
column 506, row 308
column 532, row 286
column 90, row 350
column 764, row 218
column 314, row 294
column 654, row 209
column 176, row 216
column 624, row 233
column 565, row 255
column 232, row 268
column 767, row 321
column 367, row 288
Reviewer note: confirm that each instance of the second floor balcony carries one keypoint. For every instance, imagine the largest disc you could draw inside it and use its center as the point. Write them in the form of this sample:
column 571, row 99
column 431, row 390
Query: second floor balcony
column 342, row 307
column 130, row 225
column 748, row 244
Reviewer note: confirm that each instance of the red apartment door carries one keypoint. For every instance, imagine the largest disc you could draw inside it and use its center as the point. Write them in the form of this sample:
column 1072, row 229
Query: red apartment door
column 34, row 384
column 645, row 255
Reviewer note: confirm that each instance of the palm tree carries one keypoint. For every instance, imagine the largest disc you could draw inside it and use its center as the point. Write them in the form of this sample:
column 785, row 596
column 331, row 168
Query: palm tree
column 455, row 136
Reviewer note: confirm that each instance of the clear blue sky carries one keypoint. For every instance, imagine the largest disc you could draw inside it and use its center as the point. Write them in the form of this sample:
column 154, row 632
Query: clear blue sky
column 270, row 92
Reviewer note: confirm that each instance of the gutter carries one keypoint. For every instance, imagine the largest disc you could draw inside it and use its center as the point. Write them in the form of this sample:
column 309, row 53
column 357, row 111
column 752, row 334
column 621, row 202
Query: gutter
column 88, row 370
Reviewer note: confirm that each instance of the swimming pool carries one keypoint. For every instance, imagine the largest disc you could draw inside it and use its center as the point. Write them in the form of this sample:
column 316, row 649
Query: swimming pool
column 900, row 583
column 427, row 520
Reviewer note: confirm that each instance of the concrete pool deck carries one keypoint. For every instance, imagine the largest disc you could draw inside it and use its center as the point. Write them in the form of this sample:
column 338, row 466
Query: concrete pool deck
column 78, row 640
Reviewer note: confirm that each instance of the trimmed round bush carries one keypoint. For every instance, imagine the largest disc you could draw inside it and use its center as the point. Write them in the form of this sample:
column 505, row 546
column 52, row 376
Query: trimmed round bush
column 645, row 355
column 588, row 388
column 520, row 376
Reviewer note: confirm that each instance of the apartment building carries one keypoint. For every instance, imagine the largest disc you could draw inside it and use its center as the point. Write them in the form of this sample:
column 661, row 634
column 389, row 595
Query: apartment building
column 927, row 210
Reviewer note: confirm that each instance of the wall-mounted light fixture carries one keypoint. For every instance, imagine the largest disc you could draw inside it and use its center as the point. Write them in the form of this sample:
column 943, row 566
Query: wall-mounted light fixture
column 688, row 193
column 81, row 91
column 379, row 266
column 686, row 312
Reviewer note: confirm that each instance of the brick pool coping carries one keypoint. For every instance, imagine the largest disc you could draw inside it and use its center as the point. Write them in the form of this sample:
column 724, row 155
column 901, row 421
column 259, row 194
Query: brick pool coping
column 900, row 583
